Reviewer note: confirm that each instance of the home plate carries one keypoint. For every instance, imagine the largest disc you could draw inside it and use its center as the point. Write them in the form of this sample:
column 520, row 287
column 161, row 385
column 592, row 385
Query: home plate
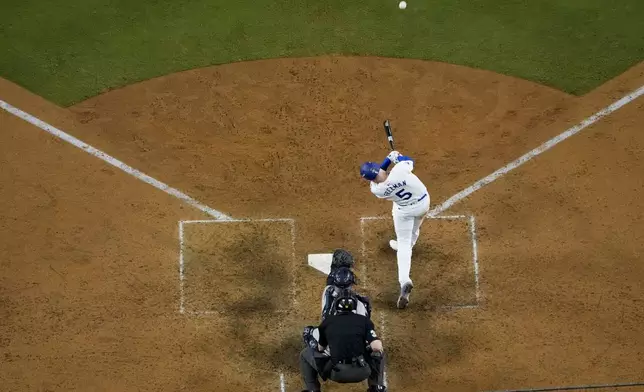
column 321, row 262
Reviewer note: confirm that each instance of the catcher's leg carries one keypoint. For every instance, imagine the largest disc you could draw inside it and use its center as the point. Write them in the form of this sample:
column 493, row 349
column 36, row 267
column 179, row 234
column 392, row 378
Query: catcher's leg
column 377, row 377
column 308, row 370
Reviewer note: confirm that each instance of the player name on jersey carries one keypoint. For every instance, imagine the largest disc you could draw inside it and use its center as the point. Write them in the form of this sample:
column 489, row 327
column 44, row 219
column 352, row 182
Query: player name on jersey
column 393, row 187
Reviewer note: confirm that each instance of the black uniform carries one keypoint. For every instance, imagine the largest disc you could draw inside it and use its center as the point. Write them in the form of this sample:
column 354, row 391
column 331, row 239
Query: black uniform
column 347, row 335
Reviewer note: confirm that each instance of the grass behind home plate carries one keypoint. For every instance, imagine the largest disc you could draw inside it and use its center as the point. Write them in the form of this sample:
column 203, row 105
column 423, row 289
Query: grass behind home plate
column 70, row 50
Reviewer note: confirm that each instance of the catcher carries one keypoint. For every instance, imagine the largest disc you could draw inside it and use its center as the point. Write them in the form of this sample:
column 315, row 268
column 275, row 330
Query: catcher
column 358, row 353
column 348, row 350
column 340, row 279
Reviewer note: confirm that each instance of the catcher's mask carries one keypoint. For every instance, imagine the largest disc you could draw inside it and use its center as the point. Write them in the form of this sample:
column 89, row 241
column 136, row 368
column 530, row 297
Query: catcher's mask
column 343, row 278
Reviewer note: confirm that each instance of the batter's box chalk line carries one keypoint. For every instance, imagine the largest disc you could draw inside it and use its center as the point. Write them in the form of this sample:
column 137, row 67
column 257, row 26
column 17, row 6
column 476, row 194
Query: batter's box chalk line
column 471, row 220
column 182, row 261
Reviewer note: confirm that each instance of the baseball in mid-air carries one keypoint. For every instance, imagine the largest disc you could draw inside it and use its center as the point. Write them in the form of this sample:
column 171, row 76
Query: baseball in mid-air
column 402, row 5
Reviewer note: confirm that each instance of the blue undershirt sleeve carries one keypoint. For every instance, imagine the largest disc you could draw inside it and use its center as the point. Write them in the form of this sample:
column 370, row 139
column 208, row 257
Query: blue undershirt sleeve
column 385, row 164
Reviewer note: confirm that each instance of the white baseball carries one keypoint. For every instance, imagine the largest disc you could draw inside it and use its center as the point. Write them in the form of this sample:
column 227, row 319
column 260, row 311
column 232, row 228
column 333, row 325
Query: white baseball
column 402, row 5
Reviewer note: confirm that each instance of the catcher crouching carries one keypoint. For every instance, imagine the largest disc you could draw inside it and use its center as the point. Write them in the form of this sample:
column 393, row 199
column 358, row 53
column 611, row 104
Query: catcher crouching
column 345, row 348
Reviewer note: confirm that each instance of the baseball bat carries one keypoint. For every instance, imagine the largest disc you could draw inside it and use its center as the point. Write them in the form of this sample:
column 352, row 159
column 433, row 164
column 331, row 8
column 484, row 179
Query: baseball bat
column 390, row 137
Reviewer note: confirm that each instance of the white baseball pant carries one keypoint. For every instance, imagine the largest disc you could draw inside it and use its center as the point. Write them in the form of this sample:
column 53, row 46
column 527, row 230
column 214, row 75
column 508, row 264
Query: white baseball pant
column 407, row 222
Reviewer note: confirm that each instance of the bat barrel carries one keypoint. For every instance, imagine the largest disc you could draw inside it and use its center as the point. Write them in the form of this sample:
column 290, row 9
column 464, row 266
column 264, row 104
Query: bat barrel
column 390, row 136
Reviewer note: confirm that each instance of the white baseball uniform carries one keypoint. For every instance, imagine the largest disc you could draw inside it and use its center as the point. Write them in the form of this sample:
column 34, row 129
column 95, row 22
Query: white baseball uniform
column 410, row 206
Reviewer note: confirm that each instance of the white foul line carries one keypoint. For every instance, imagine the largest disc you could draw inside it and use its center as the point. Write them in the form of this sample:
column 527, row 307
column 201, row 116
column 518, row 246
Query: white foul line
column 111, row 160
column 537, row 151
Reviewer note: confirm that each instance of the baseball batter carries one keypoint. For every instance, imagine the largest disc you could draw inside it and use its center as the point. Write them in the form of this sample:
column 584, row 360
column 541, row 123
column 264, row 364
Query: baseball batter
column 410, row 206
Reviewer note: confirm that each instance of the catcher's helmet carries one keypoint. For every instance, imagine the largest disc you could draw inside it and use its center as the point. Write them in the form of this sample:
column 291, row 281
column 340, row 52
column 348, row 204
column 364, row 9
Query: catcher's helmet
column 343, row 278
column 369, row 170
column 341, row 258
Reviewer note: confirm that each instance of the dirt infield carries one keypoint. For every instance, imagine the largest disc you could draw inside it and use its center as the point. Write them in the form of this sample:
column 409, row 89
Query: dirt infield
column 90, row 285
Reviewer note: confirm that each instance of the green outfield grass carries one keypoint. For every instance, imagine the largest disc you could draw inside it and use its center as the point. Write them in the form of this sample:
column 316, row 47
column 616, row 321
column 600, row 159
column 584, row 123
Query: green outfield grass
column 69, row 50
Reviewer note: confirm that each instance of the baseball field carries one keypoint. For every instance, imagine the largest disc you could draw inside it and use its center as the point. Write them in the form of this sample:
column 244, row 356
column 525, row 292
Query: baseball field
column 166, row 168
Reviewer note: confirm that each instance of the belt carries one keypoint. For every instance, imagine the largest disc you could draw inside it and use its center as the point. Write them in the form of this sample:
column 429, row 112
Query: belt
column 351, row 361
column 416, row 202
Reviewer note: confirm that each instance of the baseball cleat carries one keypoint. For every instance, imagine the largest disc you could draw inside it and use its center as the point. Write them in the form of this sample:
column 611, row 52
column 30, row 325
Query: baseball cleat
column 393, row 244
column 403, row 300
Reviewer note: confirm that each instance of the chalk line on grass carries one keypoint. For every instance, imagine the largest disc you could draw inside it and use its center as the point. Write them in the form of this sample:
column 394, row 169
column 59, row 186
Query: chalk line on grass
column 537, row 151
column 111, row 160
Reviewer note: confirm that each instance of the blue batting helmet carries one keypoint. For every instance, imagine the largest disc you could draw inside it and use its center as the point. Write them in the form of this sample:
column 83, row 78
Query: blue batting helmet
column 369, row 170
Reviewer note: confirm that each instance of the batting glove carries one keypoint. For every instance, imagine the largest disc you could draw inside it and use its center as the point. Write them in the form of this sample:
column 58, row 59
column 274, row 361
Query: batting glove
column 393, row 156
